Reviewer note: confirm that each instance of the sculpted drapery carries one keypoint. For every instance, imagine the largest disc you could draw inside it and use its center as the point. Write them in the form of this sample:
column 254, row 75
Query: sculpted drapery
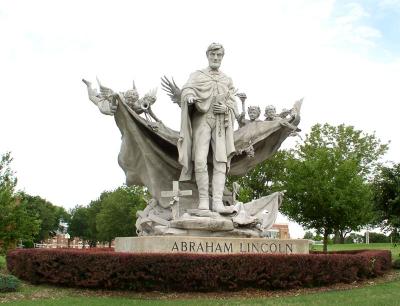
column 149, row 157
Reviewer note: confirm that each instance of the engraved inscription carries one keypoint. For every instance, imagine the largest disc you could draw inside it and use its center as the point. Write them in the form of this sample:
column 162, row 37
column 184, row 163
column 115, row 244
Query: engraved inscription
column 226, row 248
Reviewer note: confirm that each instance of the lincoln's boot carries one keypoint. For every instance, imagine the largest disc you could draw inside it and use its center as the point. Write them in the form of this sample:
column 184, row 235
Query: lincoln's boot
column 202, row 186
column 218, row 185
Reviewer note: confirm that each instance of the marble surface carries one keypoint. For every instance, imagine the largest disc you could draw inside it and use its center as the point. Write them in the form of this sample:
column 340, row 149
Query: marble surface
column 210, row 245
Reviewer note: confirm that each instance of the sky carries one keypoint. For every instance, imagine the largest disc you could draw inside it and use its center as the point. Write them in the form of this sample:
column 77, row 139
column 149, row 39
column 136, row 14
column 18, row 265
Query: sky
column 343, row 57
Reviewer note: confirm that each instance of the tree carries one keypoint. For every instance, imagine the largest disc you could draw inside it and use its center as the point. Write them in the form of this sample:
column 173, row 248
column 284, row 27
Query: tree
column 15, row 222
column 112, row 214
column 49, row 214
column 326, row 179
column 386, row 187
column 308, row 235
column 378, row 238
column 117, row 216
column 354, row 238
column 78, row 225
column 94, row 208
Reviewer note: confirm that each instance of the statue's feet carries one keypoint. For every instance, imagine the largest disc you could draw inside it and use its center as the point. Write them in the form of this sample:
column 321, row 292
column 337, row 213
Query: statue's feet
column 219, row 207
column 204, row 204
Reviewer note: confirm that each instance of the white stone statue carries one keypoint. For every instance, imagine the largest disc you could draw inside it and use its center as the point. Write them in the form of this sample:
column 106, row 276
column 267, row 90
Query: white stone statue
column 204, row 150
column 208, row 110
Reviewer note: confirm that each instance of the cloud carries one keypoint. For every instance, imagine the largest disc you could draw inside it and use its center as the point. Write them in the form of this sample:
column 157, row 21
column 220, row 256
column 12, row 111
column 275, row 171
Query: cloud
column 349, row 27
column 389, row 4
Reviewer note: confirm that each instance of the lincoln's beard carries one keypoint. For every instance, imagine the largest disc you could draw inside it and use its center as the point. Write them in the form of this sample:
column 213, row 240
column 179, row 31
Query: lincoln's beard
column 214, row 65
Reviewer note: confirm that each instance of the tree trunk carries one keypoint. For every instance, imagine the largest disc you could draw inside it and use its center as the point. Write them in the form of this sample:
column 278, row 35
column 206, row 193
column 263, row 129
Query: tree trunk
column 337, row 238
column 341, row 236
column 109, row 243
column 69, row 242
column 326, row 234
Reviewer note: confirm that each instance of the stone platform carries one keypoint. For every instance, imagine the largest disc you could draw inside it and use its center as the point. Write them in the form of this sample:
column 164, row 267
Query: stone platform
column 210, row 245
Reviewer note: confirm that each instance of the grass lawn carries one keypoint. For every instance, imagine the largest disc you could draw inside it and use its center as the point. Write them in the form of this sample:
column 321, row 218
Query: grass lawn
column 373, row 292
column 362, row 246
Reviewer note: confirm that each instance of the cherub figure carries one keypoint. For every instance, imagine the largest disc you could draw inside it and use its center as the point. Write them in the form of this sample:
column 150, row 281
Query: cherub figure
column 254, row 112
column 107, row 101
column 287, row 114
column 270, row 113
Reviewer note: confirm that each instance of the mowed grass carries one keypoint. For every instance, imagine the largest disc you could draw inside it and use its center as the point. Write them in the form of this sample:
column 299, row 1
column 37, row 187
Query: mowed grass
column 385, row 294
column 370, row 293
column 394, row 248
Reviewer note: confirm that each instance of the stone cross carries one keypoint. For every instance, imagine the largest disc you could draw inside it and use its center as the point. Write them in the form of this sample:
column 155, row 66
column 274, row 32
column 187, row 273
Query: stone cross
column 175, row 193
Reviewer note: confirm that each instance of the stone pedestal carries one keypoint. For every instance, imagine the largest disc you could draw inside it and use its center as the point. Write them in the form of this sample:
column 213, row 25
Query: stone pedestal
column 210, row 245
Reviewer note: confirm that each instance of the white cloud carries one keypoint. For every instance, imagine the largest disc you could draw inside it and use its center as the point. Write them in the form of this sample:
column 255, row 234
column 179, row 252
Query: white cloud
column 349, row 27
column 389, row 4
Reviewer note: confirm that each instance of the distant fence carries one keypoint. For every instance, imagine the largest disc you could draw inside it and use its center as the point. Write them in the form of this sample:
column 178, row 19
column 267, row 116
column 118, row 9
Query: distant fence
column 317, row 242
column 56, row 246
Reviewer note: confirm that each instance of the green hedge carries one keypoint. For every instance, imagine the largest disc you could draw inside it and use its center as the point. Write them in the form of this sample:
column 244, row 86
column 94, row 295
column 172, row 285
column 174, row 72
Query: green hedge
column 9, row 283
column 194, row 272
column 2, row 263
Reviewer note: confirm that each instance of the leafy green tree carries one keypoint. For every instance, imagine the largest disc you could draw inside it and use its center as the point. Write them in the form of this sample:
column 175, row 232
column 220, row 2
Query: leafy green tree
column 94, row 208
column 49, row 214
column 117, row 216
column 308, row 235
column 326, row 179
column 378, row 238
column 354, row 238
column 15, row 222
column 78, row 225
column 386, row 186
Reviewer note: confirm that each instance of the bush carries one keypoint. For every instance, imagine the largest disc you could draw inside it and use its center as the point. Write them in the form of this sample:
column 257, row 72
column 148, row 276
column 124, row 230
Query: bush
column 378, row 238
column 8, row 283
column 396, row 264
column 194, row 272
column 2, row 263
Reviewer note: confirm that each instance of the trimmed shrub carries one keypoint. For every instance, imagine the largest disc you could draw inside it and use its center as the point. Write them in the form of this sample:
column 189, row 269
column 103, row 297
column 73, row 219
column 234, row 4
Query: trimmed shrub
column 194, row 272
column 2, row 263
column 396, row 264
column 9, row 283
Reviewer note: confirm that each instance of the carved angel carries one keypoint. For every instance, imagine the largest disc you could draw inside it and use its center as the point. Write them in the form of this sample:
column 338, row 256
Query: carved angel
column 289, row 114
column 107, row 100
